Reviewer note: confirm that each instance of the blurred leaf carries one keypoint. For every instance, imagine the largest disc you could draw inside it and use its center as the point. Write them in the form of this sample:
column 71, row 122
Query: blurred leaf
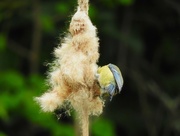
column 62, row 7
column 93, row 12
column 10, row 101
column 108, row 3
column 126, row 2
column 12, row 79
column 37, row 83
column 176, row 124
column 3, row 111
column 47, row 22
column 3, row 41
column 2, row 134
column 64, row 130
column 103, row 127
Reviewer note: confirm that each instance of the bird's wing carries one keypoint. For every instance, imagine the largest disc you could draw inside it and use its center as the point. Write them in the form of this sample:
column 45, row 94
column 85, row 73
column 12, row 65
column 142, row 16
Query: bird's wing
column 117, row 75
column 111, row 90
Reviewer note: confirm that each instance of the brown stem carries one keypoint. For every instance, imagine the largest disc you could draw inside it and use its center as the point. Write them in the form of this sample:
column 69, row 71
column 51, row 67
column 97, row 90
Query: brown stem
column 145, row 107
column 85, row 122
column 18, row 49
column 36, row 38
column 126, row 30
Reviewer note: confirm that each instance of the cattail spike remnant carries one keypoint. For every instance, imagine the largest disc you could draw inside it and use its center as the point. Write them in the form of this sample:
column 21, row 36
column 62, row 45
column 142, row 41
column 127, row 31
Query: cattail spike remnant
column 72, row 75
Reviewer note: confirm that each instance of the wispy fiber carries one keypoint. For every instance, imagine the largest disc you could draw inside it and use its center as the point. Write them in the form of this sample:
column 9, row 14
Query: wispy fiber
column 72, row 77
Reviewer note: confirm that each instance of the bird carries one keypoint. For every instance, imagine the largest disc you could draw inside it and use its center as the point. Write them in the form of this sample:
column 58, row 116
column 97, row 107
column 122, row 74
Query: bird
column 110, row 80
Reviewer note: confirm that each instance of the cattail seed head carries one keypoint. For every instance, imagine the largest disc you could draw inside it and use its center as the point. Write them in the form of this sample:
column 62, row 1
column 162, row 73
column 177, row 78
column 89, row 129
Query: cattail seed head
column 72, row 75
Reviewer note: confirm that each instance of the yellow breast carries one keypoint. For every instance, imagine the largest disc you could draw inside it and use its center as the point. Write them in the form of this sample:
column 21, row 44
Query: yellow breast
column 105, row 76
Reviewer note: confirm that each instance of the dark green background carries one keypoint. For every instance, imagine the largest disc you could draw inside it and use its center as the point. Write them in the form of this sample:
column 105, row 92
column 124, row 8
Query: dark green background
column 142, row 37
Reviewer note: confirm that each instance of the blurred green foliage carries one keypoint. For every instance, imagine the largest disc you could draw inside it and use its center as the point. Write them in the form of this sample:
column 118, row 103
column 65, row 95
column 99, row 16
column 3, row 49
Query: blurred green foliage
column 141, row 37
column 126, row 2
column 103, row 127
column 17, row 102
column 2, row 42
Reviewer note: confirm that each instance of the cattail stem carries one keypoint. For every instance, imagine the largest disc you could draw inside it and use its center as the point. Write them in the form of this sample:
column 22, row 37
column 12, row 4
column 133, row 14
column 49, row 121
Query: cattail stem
column 85, row 122
column 84, row 5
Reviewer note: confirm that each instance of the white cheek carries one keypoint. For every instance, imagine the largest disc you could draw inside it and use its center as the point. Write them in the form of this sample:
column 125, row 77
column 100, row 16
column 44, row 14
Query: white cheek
column 97, row 76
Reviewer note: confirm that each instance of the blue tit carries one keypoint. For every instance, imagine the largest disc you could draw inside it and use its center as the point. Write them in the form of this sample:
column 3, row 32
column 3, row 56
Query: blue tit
column 110, row 80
